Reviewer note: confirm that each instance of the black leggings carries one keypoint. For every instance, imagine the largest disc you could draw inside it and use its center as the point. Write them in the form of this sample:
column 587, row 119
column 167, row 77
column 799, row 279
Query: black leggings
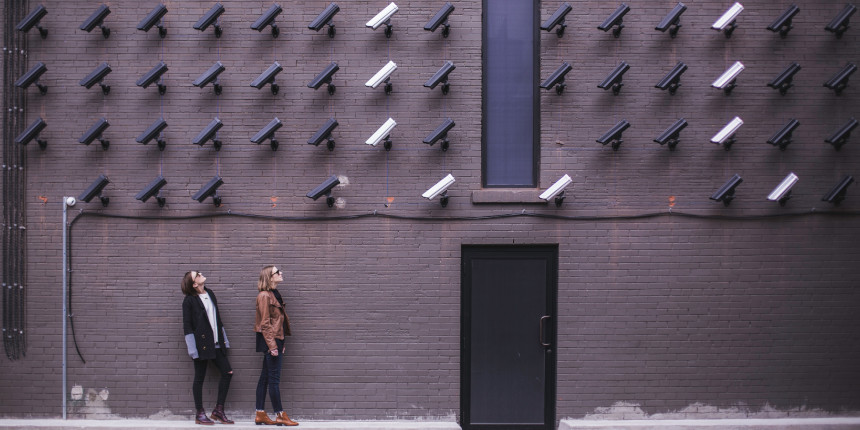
column 200, row 372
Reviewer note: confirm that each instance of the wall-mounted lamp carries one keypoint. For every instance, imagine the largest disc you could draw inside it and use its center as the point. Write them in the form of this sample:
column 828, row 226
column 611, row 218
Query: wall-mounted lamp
column 152, row 190
column 210, row 75
column 556, row 79
column 32, row 132
column 95, row 189
column 783, row 23
column 783, row 81
column 97, row 20
column 726, row 136
column 441, row 76
column 326, row 18
column 614, row 79
column 440, row 189
column 839, row 81
column 324, row 189
column 558, row 19
column 32, row 20
column 209, row 18
column 209, row 133
column 782, row 192
column 153, row 132
column 673, row 79
column 97, row 76
column 837, row 194
column 839, row 24
column 210, row 189
column 616, row 19
column 383, row 75
column 727, row 23
column 840, row 137
column 325, row 77
column 441, row 18
column 32, row 77
column 728, row 80
column 153, row 18
column 383, row 17
column 556, row 191
column 268, row 18
column 441, row 132
column 383, row 134
column 153, row 75
column 672, row 134
column 95, row 132
column 324, row 133
column 782, row 138
column 613, row 136
column 268, row 132
column 726, row 193
column 673, row 19
column 268, row 76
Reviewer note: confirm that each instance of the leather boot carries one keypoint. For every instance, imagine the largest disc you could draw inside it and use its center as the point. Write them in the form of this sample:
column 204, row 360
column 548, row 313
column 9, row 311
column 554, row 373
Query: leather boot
column 283, row 420
column 219, row 415
column 263, row 418
column 202, row 418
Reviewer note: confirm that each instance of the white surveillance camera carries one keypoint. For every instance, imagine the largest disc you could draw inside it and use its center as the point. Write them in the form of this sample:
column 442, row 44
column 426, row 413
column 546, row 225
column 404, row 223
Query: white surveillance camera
column 382, row 133
column 382, row 17
column 783, row 191
column 556, row 189
column 382, row 75
column 70, row 201
column 728, row 17
column 725, row 136
column 727, row 79
column 439, row 188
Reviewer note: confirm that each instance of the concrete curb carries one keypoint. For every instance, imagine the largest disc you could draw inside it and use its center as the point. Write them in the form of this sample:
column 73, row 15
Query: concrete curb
column 716, row 424
column 58, row 424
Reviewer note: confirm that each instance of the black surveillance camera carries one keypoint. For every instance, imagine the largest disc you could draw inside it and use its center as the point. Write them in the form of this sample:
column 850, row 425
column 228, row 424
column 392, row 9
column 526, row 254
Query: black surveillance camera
column 96, row 77
column 672, row 80
column 152, row 132
column 839, row 24
column 840, row 137
column 95, row 189
column 726, row 193
column 325, row 18
column 614, row 79
column 210, row 76
column 268, row 18
column 324, row 133
column 268, row 76
column 613, row 136
column 209, row 133
column 153, row 75
column 782, row 138
column 837, row 194
column 210, row 189
column 151, row 190
column 673, row 19
column 556, row 79
column 268, row 132
column 839, row 81
column 95, row 132
column 32, row 132
column 441, row 132
column 209, row 19
column 783, row 81
column 97, row 20
column 672, row 134
column 324, row 189
column 325, row 77
column 441, row 18
column 32, row 20
column 783, row 23
column 32, row 77
column 441, row 76
column 152, row 19
column 616, row 18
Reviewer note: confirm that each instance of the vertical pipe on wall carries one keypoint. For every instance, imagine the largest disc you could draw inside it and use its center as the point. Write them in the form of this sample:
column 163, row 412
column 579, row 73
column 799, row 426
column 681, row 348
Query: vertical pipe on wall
column 67, row 201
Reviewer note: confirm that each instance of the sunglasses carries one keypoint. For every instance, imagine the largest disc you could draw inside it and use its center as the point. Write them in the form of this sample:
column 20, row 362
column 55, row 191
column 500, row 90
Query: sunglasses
column 197, row 274
column 276, row 271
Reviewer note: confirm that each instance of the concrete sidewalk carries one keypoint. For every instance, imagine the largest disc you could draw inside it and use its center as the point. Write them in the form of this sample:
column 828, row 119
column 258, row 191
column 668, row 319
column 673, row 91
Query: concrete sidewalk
column 72, row 424
column 716, row 424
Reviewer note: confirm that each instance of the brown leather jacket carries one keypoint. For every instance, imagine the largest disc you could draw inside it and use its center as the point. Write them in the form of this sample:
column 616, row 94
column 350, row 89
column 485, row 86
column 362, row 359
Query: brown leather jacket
column 270, row 318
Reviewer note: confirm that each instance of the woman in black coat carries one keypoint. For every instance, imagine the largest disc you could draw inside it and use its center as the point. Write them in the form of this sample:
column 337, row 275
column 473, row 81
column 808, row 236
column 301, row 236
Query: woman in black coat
column 206, row 341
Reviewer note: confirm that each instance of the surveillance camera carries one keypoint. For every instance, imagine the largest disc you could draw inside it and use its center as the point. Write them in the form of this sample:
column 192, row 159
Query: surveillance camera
column 726, row 136
column 672, row 134
column 325, row 77
column 382, row 76
column 782, row 138
column 782, row 192
column 556, row 79
column 840, row 81
column 556, row 191
column 152, row 19
column 209, row 18
column 441, row 132
column 783, row 81
column 783, row 23
column 152, row 132
column 839, row 24
column 726, row 81
column 210, row 76
column 209, row 133
column 32, row 77
column 210, row 189
column 95, row 189
column 672, row 80
column 673, row 19
column 441, row 76
column 32, row 132
column 151, row 190
column 383, row 17
column 441, row 18
column 726, row 193
column 268, row 76
column 153, row 75
column 614, row 135
column 324, row 133
column 32, row 20
column 70, row 201
column 324, row 189
column 558, row 19
column 614, row 79
column 268, row 132
column 325, row 18
column 96, row 77
column 97, row 19
column 268, row 18
column 382, row 134
column 727, row 22
column 95, row 132
column 615, row 19
column 840, row 137
column 440, row 188
column 837, row 194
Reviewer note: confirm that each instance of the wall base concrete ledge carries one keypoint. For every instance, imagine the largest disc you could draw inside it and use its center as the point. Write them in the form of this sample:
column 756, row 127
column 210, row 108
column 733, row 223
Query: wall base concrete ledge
column 715, row 424
column 58, row 424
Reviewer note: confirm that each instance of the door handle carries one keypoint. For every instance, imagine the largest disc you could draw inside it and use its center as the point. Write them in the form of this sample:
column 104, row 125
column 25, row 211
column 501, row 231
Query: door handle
column 542, row 331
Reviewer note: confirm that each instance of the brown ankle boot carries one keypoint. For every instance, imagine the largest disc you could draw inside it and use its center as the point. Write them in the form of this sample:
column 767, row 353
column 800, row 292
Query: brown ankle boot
column 219, row 415
column 262, row 418
column 202, row 418
column 283, row 420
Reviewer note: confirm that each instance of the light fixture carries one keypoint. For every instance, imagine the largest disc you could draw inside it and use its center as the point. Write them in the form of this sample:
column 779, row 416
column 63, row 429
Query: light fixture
column 325, row 77
column 268, row 18
column 441, row 18
column 32, row 20
column 152, row 190
column 727, row 23
column 615, row 19
column 326, row 18
column 783, row 81
column 210, row 75
column 153, row 18
column 782, row 192
column 153, row 75
column 441, row 76
column 324, row 189
column 837, row 194
column 383, row 17
column 726, row 193
column 268, row 132
column 556, row 79
column 783, row 23
column 558, row 19
column 32, row 132
column 556, row 191
column 441, row 132
column 782, row 138
column 268, row 76
column 840, row 137
column 614, row 79
column 839, row 24
column 324, row 133
column 383, row 75
column 383, row 134
column 209, row 18
column 726, row 135
column 95, row 189
column 209, row 132
column 672, row 80
column 210, row 189
column 728, row 80
column 673, row 19
column 839, row 81
column 153, row 132
column 671, row 136
column 613, row 136
column 95, row 132
column 32, row 77
column 97, row 20
column 440, row 189
column 97, row 77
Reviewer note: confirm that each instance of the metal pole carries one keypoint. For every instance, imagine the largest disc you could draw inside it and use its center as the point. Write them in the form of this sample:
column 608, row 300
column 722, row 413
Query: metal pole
column 67, row 201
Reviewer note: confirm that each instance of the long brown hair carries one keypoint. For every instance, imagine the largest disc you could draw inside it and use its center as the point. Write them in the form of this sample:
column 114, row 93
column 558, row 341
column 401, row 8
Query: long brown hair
column 188, row 284
column 265, row 283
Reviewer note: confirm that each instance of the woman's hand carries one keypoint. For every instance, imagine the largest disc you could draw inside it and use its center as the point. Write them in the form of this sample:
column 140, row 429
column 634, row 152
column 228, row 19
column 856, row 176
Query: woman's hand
column 274, row 352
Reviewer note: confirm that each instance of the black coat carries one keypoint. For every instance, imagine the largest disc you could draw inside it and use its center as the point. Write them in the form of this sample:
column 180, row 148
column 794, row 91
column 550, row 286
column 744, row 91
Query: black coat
column 198, row 332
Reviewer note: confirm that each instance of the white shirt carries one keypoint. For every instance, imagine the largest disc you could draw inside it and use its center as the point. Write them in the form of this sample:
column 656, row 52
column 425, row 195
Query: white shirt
column 210, row 313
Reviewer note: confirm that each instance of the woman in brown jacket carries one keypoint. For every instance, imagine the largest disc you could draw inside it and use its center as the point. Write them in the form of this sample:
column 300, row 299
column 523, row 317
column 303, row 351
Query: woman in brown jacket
column 271, row 325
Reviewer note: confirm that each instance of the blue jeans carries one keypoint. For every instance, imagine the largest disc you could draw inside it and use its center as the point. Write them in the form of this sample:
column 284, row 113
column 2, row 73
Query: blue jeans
column 270, row 378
